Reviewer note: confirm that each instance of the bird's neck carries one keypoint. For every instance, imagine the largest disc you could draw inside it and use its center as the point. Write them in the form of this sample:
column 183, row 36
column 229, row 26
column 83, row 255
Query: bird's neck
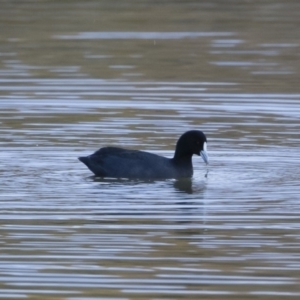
column 181, row 158
column 181, row 155
column 184, row 164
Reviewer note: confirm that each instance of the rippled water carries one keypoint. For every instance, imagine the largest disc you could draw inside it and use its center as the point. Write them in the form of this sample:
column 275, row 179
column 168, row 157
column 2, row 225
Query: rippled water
column 69, row 86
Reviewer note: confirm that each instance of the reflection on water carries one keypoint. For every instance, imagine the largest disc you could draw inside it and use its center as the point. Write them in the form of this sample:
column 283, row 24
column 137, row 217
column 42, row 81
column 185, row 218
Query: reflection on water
column 141, row 35
column 97, row 75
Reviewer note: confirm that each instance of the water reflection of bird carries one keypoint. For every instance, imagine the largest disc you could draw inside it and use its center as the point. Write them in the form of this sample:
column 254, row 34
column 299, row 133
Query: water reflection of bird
column 122, row 163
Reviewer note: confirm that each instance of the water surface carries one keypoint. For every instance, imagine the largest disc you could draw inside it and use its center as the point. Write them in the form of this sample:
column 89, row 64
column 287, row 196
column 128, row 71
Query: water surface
column 74, row 78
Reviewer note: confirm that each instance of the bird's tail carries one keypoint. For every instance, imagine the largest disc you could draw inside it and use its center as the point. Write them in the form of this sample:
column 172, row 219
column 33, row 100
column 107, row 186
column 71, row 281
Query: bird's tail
column 84, row 160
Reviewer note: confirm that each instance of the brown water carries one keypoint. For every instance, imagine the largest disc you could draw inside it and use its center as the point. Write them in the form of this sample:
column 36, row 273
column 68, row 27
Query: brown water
column 78, row 75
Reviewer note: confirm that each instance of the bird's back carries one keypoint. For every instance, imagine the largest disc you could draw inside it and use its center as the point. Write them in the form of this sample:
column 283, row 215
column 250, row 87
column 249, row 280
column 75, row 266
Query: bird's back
column 123, row 163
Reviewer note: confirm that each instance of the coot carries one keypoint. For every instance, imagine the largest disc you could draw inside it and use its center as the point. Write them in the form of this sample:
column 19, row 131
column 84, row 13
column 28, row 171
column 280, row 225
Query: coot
column 122, row 163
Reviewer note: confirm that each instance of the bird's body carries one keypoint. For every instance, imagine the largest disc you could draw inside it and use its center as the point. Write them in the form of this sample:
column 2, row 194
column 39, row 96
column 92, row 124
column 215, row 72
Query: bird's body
column 122, row 163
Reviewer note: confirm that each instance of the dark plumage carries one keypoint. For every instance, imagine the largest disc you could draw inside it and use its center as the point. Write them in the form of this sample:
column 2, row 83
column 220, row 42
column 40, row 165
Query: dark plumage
column 122, row 163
